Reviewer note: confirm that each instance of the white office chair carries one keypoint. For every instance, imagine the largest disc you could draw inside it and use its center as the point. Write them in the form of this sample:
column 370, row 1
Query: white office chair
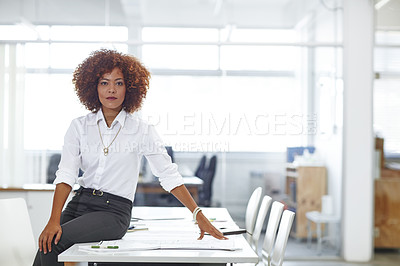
column 326, row 216
column 17, row 245
column 262, row 213
column 270, row 233
column 251, row 212
column 281, row 239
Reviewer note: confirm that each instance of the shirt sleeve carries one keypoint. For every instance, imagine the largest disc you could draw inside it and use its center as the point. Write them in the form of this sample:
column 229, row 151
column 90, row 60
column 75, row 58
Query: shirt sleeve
column 159, row 160
column 68, row 168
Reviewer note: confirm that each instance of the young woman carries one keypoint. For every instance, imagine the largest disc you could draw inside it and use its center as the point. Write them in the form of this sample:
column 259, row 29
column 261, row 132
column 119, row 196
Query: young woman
column 107, row 144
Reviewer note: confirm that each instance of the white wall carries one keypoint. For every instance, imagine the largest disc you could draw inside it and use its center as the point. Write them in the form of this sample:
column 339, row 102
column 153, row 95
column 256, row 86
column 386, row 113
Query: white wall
column 358, row 148
column 348, row 157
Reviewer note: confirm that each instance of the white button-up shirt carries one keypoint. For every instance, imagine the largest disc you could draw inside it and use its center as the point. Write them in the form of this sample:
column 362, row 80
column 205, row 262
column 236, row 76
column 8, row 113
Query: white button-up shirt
column 117, row 172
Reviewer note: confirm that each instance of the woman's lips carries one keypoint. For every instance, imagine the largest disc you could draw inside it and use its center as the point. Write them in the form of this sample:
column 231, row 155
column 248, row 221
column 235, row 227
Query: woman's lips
column 111, row 98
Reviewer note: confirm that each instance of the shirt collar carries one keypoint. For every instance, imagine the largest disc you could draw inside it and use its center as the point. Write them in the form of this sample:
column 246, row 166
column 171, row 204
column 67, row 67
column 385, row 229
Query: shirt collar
column 121, row 117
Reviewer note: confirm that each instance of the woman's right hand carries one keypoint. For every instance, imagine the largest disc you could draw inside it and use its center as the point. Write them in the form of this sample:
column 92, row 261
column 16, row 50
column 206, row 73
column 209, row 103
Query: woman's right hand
column 52, row 229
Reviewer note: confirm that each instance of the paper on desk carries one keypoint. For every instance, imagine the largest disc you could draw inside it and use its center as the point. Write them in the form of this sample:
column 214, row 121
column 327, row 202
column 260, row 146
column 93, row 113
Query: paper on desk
column 182, row 244
column 122, row 246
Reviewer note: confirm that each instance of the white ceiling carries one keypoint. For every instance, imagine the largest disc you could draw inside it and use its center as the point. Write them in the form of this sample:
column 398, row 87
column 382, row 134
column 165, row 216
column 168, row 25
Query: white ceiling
column 197, row 13
column 190, row 13
column 388, row 16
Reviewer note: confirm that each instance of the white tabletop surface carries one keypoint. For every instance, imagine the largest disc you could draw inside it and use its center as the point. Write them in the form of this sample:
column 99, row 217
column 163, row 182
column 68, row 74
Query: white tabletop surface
column 179, row 227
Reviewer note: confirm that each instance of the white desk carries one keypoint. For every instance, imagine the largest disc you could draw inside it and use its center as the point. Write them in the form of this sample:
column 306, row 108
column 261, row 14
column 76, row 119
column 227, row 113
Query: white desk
column 182, row 228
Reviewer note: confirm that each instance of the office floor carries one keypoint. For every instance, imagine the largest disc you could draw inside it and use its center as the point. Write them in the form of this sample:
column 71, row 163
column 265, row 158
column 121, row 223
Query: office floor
column 299, row 254
column 381, row 258
column 298, row 249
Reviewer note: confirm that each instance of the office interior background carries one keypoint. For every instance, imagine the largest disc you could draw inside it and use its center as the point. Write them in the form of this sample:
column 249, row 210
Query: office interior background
column 240, row 79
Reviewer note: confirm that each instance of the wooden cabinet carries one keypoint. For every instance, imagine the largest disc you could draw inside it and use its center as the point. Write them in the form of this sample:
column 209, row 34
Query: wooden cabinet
column 387, row 204
column 305, row 186
column 387, row 212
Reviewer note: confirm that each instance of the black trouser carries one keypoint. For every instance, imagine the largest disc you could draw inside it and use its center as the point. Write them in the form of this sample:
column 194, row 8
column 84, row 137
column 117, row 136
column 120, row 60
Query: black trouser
column 89, row 217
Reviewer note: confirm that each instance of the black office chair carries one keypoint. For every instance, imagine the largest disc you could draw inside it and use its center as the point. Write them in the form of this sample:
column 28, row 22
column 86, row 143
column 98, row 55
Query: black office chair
column 53, row 167
column 168, row 199
column 170, row 152
column 207, row 175
column 200, row 168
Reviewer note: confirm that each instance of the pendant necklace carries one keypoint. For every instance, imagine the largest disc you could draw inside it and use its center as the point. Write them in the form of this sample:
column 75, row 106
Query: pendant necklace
column 105, row 149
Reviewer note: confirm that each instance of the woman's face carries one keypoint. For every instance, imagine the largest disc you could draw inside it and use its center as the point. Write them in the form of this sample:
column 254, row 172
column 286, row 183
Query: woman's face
column 111, row 90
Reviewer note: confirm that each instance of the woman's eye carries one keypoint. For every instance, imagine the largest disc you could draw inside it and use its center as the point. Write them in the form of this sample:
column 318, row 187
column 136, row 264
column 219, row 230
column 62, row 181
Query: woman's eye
column 103, row 83
column 120, row 83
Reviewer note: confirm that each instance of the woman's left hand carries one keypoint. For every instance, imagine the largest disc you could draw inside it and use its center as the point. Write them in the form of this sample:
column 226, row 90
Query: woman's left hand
column 206, row 227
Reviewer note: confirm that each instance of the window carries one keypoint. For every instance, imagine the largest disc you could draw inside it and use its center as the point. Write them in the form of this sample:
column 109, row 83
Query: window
column 259, row 58
column 386, row 110
column 226, row 113
column 386, row 90
column 254, row 107
column 263, row 35
column 211, row 89
column 89, row 33
column 50, row 95
column 180, row 56
column 17, row 32
column 165, row 34
column 50, row 106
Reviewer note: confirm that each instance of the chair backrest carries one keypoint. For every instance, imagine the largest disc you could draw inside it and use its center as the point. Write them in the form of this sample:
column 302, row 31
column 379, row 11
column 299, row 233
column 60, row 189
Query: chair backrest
column 208, row 178
column 17, row 245
column 213, row 165
column 53, row 167
column 251, row 211
column 262, row 213
column 327, row 205
column 170, row 152
column 272, row 227
column 282, row 238
column 201, row 167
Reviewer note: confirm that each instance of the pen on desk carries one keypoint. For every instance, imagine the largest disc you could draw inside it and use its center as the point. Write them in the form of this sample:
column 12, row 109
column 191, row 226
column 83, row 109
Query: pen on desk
column 109, row 247
column 232, row 232
column 133, row 229
column 98, row 245
column 137, row 224
column 215, row 220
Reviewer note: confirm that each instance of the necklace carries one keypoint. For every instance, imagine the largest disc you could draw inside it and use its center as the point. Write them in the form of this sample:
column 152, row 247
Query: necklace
column 105, row 149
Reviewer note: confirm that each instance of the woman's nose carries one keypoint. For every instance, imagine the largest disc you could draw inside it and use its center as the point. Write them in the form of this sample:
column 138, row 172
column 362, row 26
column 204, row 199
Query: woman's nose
column 112, row 89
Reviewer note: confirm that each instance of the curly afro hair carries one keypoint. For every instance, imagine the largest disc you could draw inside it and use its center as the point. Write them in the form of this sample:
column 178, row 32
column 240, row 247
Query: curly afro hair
column 87, row 74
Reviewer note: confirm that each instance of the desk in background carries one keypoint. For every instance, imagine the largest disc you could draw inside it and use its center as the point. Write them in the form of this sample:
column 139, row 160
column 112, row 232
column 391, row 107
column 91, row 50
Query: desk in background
column 39, row 198
column 182, row 228
column 192, row 183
